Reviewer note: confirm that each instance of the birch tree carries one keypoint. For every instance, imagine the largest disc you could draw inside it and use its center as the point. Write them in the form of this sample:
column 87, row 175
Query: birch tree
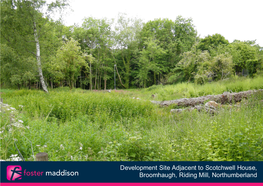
column 23, row 23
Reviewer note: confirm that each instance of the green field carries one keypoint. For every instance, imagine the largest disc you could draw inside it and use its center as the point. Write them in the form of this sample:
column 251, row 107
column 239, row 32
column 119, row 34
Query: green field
column 80, row 125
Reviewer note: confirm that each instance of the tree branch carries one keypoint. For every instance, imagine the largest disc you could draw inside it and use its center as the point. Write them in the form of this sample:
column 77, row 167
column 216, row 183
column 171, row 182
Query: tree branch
column 31, row 52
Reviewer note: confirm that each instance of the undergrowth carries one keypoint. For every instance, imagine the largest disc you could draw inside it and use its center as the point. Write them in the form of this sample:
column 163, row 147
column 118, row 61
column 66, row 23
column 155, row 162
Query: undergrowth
column 81, row 125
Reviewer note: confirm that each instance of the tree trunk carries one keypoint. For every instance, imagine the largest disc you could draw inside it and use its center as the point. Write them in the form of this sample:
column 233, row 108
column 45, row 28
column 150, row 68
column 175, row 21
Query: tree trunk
column 127, row 73
column 51, row 83
column 95, row 79
column 154, row 77
column 221, row 98
column 90, row 78
column 100, row 83
column 38, row 60
column 127, row 82
column 105, row 83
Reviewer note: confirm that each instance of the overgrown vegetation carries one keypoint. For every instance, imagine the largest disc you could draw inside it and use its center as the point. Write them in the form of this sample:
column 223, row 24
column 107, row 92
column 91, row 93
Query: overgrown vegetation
column 160, row 51
column 167, row 56
column 78, row 125
column 188, row 90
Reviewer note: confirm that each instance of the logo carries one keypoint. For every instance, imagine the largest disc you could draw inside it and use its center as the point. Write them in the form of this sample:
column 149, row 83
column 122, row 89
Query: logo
column 14, row 172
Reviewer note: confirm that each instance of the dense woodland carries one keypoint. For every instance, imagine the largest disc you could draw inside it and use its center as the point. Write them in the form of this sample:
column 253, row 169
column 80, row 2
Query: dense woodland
column 38, row 52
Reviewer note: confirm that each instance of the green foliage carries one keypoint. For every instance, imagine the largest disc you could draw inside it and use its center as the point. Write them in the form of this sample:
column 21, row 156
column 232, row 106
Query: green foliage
column 187, row 66
column 212, row 42
column 202, row 67
column 159, row 51
column 80, row 125
column 126, row 38
column 86, row 126
column 95, row 37
column 242, row 53
column 69, row 61
column 175, row 37
column 189, row 62
column 220, row 67
column 22, row 25
column 16, row 80
column 252, row 66
column 16, row 70
column 187, row 90
column 9, row 62
column 150, row 60
column 219, row 63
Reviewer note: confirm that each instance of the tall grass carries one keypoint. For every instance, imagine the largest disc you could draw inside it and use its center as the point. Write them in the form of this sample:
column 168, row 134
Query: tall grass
column 86, row 126
column 187, row 90
column 67, row 105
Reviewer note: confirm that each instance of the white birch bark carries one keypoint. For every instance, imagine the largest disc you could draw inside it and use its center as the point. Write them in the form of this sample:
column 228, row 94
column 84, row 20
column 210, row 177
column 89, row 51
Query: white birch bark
column 42, row 81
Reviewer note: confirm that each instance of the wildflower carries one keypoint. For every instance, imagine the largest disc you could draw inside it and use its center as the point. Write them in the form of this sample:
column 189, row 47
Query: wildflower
column 20, row 121
column 80, row 148
column 17, row 159
column 12, row 108
column 62, row 147
column 38, row 145
column 71, row 157
column 1, row 131
column 27, row 127
column 18, row 125
column 14, row 157
column 21, row 106
column 8, row 109
column 45, row 146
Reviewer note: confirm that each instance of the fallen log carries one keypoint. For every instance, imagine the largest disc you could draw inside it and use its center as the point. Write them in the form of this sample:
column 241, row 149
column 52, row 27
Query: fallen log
column 224, row 98
column 210, row 107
